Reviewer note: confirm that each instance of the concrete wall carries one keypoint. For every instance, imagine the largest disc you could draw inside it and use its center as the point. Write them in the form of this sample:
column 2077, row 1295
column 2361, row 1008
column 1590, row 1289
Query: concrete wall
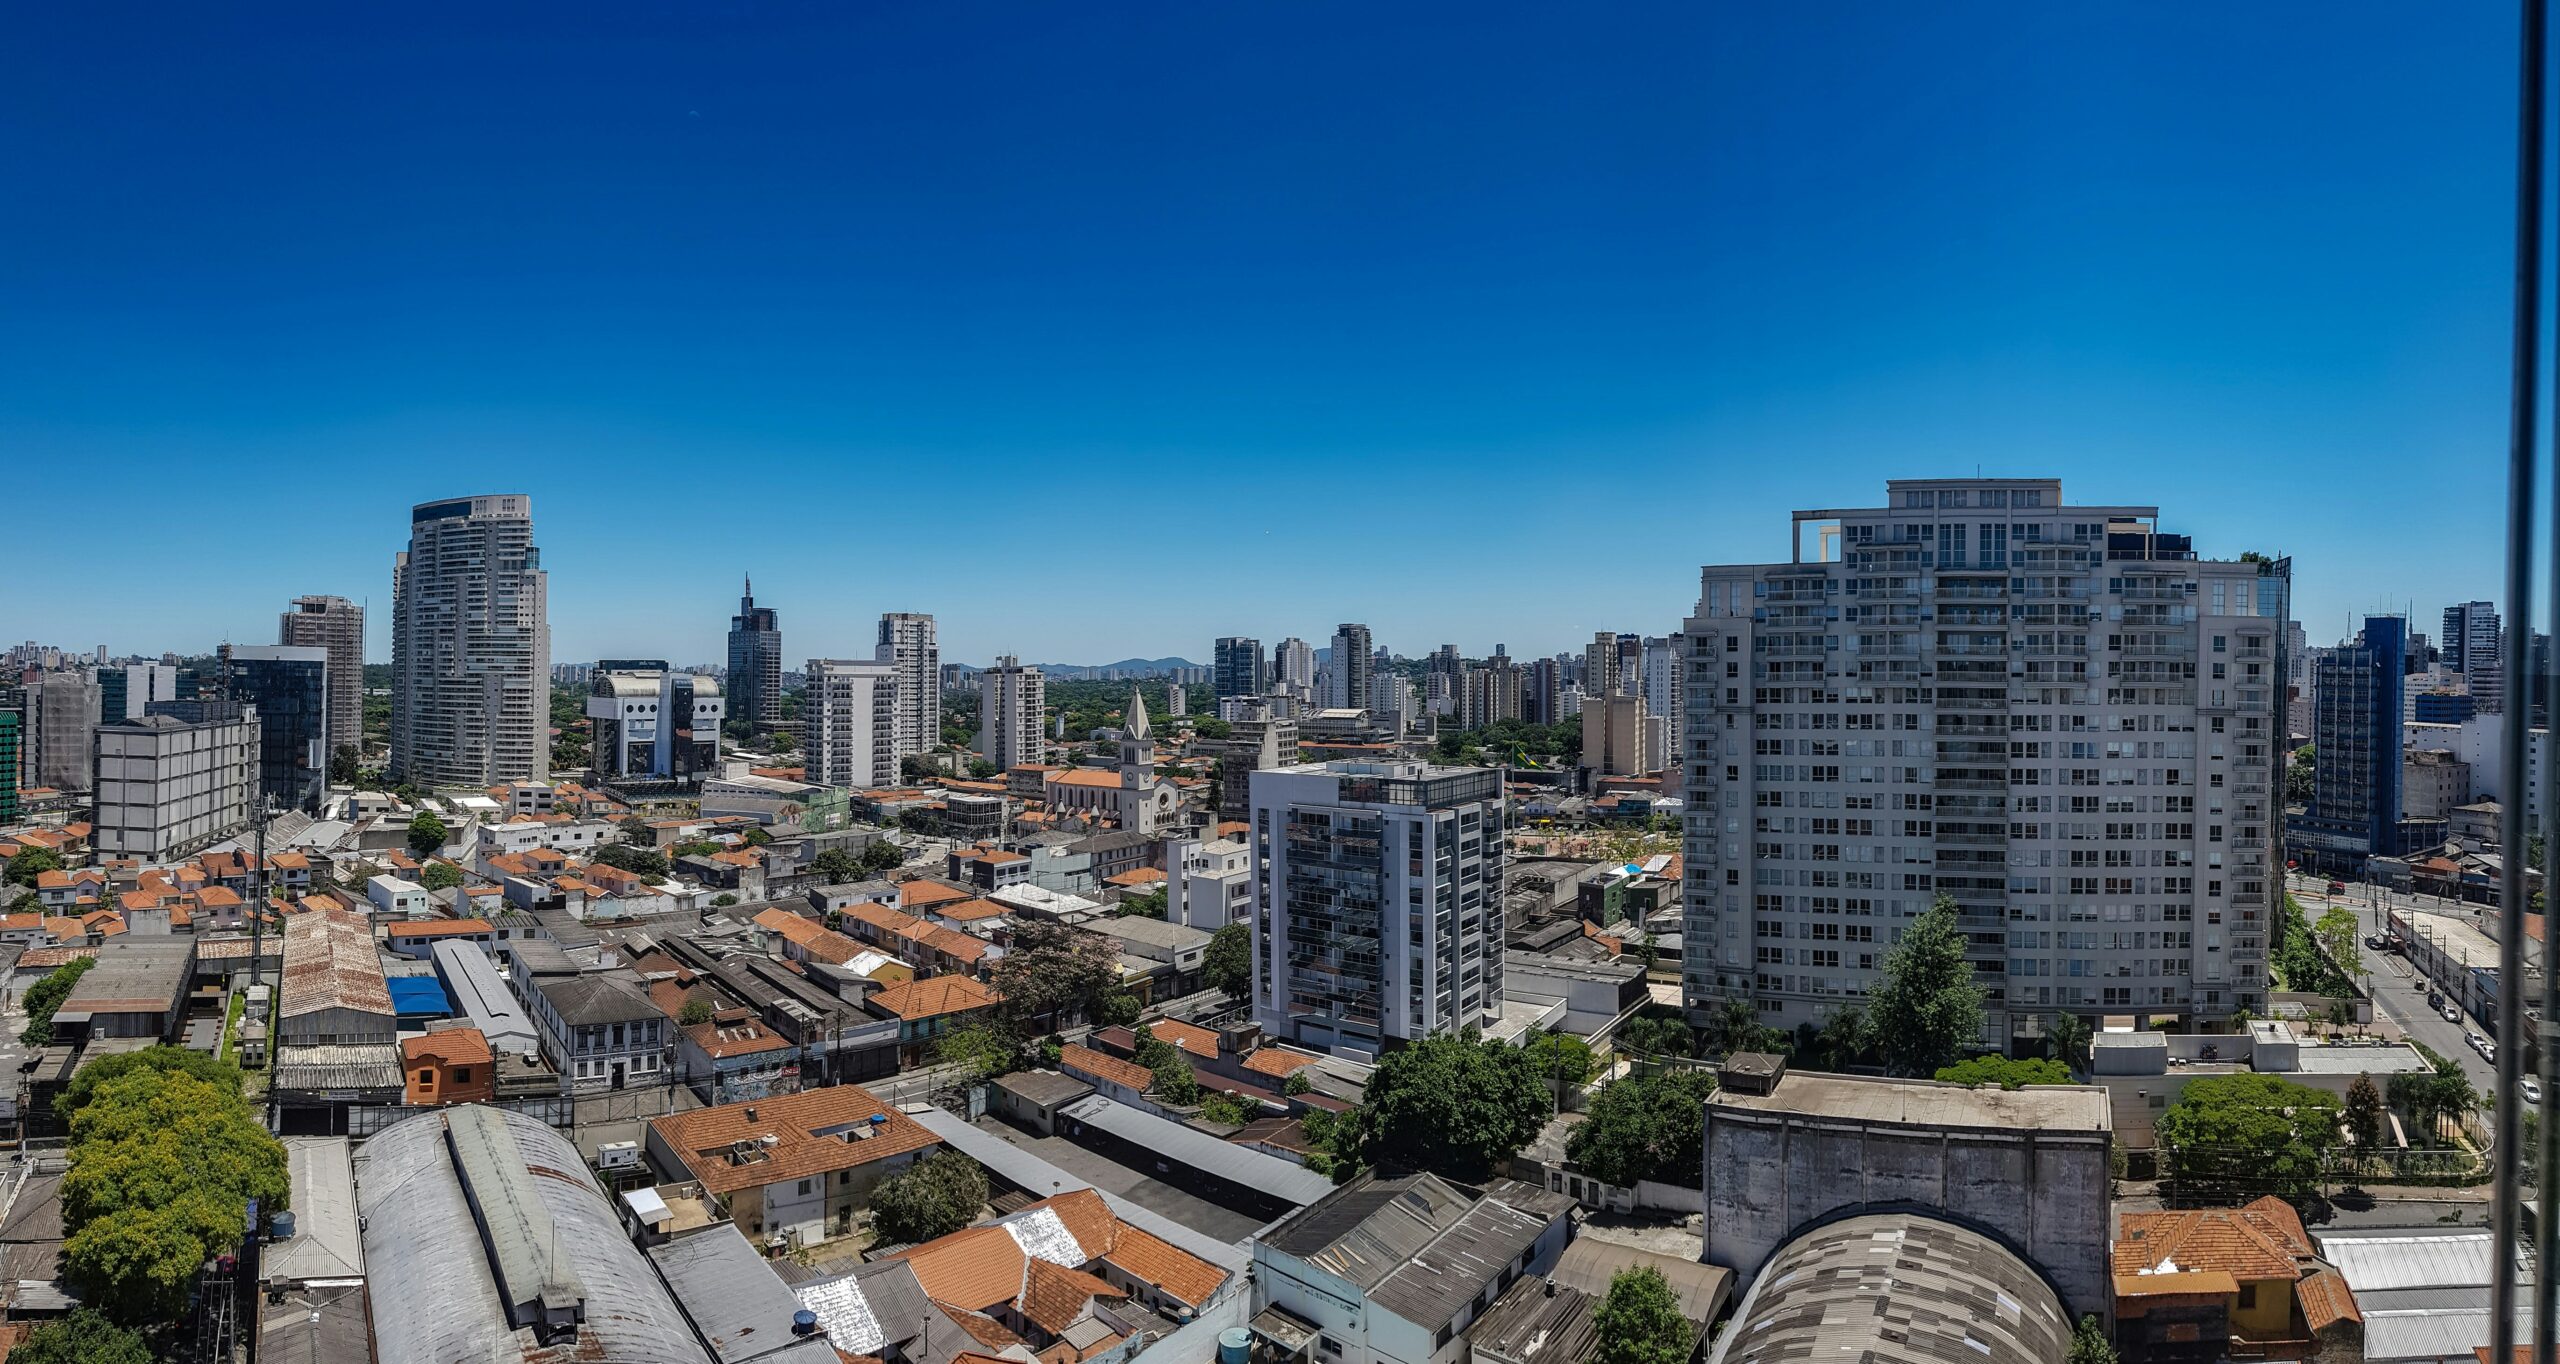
column 1768, row 1175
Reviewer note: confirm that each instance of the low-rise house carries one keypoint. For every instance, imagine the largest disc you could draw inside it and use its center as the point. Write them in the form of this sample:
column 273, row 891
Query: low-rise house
column 734, row 1050
column 805, row 939
column 451, row 1066
column 987, row 868
column 2234, row 1281
column 1122, row 1080
column 394, row 897
column 601, row 1032
column 1044, row 1268
column 417, row 938
column 1169, row 957
column 928, row 1008
column 795, row 1167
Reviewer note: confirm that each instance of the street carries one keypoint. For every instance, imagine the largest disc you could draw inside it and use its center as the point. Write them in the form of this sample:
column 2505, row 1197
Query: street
column 2398, row 994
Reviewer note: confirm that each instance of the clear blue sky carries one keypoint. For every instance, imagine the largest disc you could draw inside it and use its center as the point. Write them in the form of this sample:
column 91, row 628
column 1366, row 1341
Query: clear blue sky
column 1102, row 330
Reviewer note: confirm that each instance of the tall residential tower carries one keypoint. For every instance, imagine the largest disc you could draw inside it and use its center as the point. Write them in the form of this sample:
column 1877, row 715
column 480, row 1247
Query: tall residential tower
column 2057, row 716
column 337, row 625
column 755, row 661
column 470, row 646
column 907, row 644
column 1011, row 701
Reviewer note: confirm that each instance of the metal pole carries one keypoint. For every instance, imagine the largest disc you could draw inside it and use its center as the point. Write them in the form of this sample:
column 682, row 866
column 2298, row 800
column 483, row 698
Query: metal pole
column 2524, row 377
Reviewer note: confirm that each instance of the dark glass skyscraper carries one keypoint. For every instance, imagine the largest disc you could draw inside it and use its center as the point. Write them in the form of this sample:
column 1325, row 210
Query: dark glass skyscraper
column 755, row 661
column 2357, row 695
column 289, row 686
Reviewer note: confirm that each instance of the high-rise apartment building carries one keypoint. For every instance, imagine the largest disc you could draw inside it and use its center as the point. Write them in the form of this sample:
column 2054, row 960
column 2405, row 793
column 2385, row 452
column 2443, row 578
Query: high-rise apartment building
column 12, row 753
column 175, row 780
column 1237, row 668
column 2475, row 646
column 288, row 685
column 1293, row 661
column 1660, row 682
column 1349, row 669
column 337, row 625
column 1613, row 729
column 126, row 693
column 2357, row 726
column 654, row 723
column 1377, row 902
column 851, row 712
column 1600, row 665
column 1011, row 701
column 755, row 661
column 907, row 644
column 62, row 709
column 2057, row 716
column 470, row 646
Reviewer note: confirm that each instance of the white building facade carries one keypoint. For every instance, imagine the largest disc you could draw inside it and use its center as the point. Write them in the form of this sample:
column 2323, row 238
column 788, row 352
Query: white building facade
column 2057, row 716
column 175, row 780
column 913, row 652
column 850, row 709
column 470, row 646
column 1011, row 701
column 1377, row 902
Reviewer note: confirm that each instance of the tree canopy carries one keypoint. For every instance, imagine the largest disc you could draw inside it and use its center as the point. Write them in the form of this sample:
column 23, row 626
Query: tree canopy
column 162, row 1168
column 426, row 833
column 1644, row 1127
column 1055, row 972
column 440, row 875
column 1925, row 1010
column 2364, row 1112
column 1639, row 1320
column 2235, row 1137
column 936, row 1196
column 633, row 858
column 84, row 1337
column 2008, row 1074
column 835, row 866
column 980, row 1049
column 2089, row 1344
column 1228, row 964
column 30, row 863
column 46, row 996
column 222, row 1075
column 1454, row 1106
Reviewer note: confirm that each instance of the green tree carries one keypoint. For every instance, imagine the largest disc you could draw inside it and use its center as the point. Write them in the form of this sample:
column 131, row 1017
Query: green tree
column 1224, row 1109
column 2237, row 1136
column 982, row 770
column 696, row 1011
column 694, row 847
column 440, row 875
column 346, row 763
column 163, row 1167
column 725, row 899
column 426, row 833
column 1228, row 963
column 636, row 860
column 2089, row 1344
column 1925, row 1010
column 2364, row 1113
column 1118, row 1009
column 84, row 1337
column 1657, row 1036
column 1297, row 1083
column 1735, row 1026
column 46, row 995
column 882, row 857
column 221, row 1075
column 980, row 1050
column 1840, row 1042
column 1055, row 972
column 1455, row 1106
column 2339, row 937
column 936, row 1196
column 1149, row 905
column 2301, row 776
column 1644, row 1127
column 2008, row 1074
column 1175, row 1083
column 755, row 836
column 1563, row 1060
column 1639, row 1322
column 836, row 867
column 30, row 863
column 2071, row 1036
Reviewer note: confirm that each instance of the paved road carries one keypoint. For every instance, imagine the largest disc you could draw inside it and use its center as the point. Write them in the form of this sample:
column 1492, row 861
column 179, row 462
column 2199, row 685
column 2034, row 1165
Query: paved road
column 2398, row 992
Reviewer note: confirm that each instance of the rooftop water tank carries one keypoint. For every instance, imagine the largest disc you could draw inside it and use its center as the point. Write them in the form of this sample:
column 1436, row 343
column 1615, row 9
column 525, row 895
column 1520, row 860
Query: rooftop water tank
column 1235, row 1345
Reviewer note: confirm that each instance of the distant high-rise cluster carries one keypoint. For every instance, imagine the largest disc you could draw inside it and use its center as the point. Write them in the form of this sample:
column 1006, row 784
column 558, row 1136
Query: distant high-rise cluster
column 470, row 646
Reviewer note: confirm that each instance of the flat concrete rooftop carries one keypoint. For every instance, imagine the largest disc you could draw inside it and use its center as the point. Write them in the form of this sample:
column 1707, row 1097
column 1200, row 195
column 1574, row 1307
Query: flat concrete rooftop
column 2043, row 1108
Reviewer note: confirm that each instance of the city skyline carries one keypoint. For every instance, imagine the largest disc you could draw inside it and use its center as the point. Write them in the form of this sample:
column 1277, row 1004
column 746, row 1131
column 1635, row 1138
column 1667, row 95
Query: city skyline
column 808, row 252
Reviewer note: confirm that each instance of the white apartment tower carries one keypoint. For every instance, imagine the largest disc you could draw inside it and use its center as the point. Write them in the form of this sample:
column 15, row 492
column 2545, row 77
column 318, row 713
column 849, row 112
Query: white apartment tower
column 851, row 710
column 908, row 646
column 1661, row 687
column 2056, row 715
column 174, row 780
column 470, row 646
column 1377, row 902
column 1011, row 701
column 1293, row 663
column 337, row 625
column 1600, row 665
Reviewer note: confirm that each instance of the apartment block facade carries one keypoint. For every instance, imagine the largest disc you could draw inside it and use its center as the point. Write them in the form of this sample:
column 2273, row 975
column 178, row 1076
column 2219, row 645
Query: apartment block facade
column 1012, row 700
column 1377, row 902
column 913, row 652
column 289, row 686
column 2057, row 716
column 470, row 646
column 1237, row 667
column 851, row 712
column 337, row 625
column 176, row 779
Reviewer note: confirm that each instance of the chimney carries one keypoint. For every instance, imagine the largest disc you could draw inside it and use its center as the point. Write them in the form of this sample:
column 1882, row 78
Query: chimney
column 751, row 1112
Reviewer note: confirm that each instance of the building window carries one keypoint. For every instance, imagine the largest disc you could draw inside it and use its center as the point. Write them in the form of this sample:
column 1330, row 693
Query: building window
column 804, row 1188
column 462, row 1075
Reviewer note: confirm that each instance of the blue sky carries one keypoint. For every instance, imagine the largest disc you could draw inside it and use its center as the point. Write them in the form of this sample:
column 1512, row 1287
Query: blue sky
column 1102, row 330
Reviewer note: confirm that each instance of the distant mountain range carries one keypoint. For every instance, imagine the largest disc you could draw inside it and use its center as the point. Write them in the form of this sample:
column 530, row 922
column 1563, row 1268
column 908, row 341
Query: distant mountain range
column 1139, row 665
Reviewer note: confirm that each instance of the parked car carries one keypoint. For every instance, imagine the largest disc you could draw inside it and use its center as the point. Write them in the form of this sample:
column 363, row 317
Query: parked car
column 2488, row 1050
column 2532, row 1090
column 2435, row 999
column 2337, row 888
column 2376, row 942
column 2452, row 1014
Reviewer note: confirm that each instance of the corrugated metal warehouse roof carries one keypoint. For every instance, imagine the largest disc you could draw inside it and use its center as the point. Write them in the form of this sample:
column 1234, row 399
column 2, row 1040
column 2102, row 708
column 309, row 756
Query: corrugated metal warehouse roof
column 1200, row 1151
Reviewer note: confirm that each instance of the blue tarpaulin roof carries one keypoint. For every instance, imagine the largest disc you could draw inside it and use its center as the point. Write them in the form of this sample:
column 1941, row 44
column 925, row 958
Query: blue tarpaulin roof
column 417, row 995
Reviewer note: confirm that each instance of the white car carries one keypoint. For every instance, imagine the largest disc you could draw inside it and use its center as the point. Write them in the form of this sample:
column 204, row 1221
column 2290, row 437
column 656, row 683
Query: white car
column 2452, row 1014
column 2532, row 1089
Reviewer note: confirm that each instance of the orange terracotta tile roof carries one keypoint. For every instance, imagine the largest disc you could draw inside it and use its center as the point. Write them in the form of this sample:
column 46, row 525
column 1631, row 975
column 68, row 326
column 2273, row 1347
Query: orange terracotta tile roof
column 1189, row 1038
column 723, row 1040
column 811, row 937
column 1139, row 876
column 972, row 1269
column 1053, row 1297
column 970, row 911
column 2202, row 1239
column 1276, row 1063
column 1086, row 1063
column 2326, row 1301
column 951, row 942
column 1186, row 1277
column 2277, row 1218
column 2211, row 1283
column 1085, row 776
column 438, row 928
column 453, row 1046
column 920, row 893
column 810, row 1128
column 935, row 997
